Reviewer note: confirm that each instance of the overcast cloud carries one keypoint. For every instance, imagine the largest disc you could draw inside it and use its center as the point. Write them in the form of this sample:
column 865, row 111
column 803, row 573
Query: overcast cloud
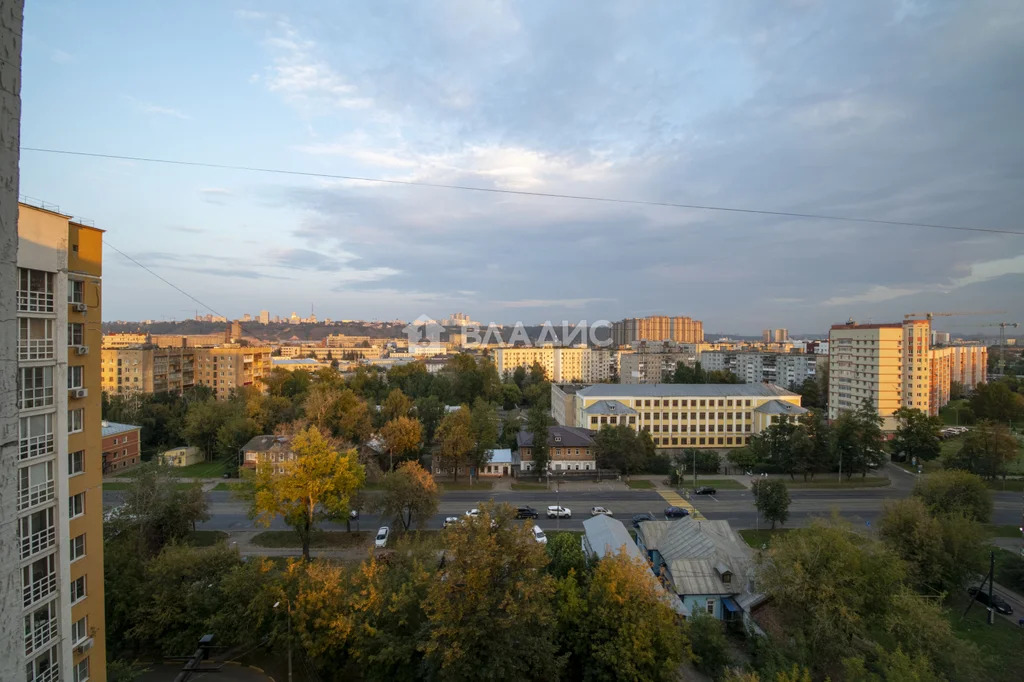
column 899, row 111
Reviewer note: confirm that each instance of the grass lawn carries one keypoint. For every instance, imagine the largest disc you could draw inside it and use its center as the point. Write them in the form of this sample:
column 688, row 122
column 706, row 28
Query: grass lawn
column 1003, row 531
column 214, row 469
column 205, row 538
column 529, row 486
column 1010, row 570
column 465, row 485
column 1000, row 644
column 640, row 484
column 829, row 481
column 1014, row 484
column 720, row 483
column 325, row 539
column 756, row 538
column 116, row 485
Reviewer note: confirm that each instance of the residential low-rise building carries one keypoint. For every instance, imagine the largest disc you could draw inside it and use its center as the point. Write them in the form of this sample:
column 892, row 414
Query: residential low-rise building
column 292, row 364
column 121, row 446
column 569, row 449
column 180, row 457
column 124, row 340
column 499, row 463
column 231, row 366
column 273, row 450
column 147, row 369
column 649, row 363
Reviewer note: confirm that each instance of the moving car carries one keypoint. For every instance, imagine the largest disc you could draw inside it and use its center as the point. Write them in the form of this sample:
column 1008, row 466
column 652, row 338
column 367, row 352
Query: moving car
column 705, row 490
column 450, row 520
column 998, row 603
column 539, row 536
column 473, row 512
column 382, row 537
column 676, row 512
column 354, row 514
column 640, row 518
column 526, row 513
column 556, row 511
column 596, row 511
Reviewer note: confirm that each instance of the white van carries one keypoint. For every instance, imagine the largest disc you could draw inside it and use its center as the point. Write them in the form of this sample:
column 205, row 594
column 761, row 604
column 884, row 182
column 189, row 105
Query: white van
column 539, row 536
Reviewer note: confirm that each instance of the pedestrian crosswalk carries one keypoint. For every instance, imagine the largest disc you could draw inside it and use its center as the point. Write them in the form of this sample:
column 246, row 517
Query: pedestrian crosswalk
column 677, row 500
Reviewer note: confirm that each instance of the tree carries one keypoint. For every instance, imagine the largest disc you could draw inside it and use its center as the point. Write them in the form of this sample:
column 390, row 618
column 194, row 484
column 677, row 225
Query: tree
column 490, row 612
column 410, row 495
column 430, row 411
column 916, row 436
column 626, row 630
column 316, row 485
column 566, row 554
column 354, row 424
column 707, row 462
column 203, row 421
column 455, row 440
column 743, row 459
column 510, row 395
column 987, row 450
column 955, row 492
column 710, row 647
column 537, row 422
column 998, row 402
column 483, row 420
column 156, row 511
column 916, row 537
column 810, row 393
column 401, row 437
column 857, row 439
column 395, row 405
column 619, row 447
column 771, row 497
column 819, row 456
column 773, row 447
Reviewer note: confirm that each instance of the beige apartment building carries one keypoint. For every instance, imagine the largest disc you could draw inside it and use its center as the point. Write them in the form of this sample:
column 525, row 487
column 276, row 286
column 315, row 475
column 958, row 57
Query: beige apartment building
column 657, row 328
column 124, row 340
column 649, row 367
column 561, row 364
column 677, row 415
column 894, row 365
column 55, row 520
column 147, row 369
column 230, row 366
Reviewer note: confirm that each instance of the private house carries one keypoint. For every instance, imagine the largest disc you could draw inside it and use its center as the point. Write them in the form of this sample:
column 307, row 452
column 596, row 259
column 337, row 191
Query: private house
column 181, row 457
column 499, row 463
column 570, row 448
column 704, row 562
column 274, row 449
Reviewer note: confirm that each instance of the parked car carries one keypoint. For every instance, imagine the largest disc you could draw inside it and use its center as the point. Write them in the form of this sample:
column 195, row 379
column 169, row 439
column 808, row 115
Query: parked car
column 382, row 537
column 450, row 520
column 676, row 512
column 539, row 536
column 597, row 511
column 998, row 603
column 640, row 518
column 473, row 512
column 705, row 490
column 526, row 513
column 555, row 511
column 354, row 514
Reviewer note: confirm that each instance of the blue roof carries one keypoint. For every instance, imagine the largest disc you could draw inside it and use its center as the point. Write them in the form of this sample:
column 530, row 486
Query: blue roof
column 501, row 456
column 113, row 428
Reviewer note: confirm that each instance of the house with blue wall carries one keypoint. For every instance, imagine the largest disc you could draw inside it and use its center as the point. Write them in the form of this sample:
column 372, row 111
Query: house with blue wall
column 704, row 562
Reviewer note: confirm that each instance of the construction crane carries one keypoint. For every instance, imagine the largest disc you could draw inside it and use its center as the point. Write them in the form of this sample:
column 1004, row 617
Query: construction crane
column 929, row 316
column 1002, row 339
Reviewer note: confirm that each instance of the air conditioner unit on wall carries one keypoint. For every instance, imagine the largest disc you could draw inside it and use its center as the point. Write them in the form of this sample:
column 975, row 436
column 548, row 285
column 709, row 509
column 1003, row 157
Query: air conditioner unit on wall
column 82, row 350
column 81, row 307
column 79, row 392
column 84, row 646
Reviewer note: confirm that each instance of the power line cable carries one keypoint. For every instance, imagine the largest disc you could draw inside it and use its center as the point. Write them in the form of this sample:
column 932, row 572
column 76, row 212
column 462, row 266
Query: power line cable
column 550, row 195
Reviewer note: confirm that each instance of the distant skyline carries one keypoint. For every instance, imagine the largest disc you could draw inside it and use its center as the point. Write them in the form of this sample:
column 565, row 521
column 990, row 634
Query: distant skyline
column 896, row 111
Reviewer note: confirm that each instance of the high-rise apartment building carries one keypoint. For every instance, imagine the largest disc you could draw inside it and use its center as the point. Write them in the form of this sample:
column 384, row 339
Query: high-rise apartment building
column 657, row 328
column 575, row 363
column 54, row 521
column 894, row 365
column 264, row 317
column 147, row 369
column 225, row 368
column 775, row 335
column 753, row 367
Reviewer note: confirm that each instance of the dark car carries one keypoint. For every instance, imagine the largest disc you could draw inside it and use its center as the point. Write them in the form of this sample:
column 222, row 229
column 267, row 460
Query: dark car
column 526, row 513
column 705, row 490
column 639, row 518
column 998, row 603
column 676, row 512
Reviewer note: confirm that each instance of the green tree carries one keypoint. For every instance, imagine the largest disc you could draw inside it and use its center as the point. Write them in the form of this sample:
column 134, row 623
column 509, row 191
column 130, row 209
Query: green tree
column 490, row 613
column 483, row 420
column 155, row 511
column 997, row 401
column 430, row 411
column 537, row 422
column 354, row 424
column 743, row 459
column 619, row 447
column 955, row 492
column 771, row 498
column 203, row 422
column 396, row 405
column 916, row 436
column 987, row 450
column 773, row 446
column 566, row 554
column 410, row 495
column 401, row 438
column 511, row 395
column 857, row 439
column 710, row 647
column 819, row 456
column 455, row 441
column 316, row 485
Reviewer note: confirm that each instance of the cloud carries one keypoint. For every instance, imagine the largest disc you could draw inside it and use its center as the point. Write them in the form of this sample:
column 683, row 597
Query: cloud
column 151, row 108
column 875, row 294
column 551, row 303
column 215, row 195
column 59, row 56
column 188, row 229
column 306, row 259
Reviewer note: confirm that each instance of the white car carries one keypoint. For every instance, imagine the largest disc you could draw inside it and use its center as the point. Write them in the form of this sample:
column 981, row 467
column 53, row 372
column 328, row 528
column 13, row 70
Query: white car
column 555, row 511
column 539, row 536
column 473, row 512
column 450, row 521
column 382, row 537
column 597, row 511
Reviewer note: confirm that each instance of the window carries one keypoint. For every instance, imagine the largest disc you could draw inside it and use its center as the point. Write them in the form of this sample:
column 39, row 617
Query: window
column 711, row 606
column 78, row 589
column 35, row 436
column 44, row 667
column 76, row 334
column 78, row 547
column 40, row 627
column 36, row 532
column 82, row 670
column 39, row 579
column 76, row 291
column 79, row 630
column 35, row 291
column 76, row 505
column 76, row 374
column 76, row 419
column 35, row 387
column 35, row 339
column 35, row 484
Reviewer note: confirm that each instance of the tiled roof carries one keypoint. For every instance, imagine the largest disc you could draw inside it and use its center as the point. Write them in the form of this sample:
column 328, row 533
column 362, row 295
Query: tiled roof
column 616, row 391
column 559, row 436
column 113, row 428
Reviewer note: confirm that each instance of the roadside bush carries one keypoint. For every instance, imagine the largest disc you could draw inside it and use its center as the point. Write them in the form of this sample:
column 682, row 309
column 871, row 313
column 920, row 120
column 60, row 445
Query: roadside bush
column 710, row 648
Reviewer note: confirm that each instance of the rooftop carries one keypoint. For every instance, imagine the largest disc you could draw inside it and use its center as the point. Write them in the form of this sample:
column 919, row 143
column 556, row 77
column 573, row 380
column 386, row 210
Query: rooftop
column 264, row 443
column 559, row 436
column 697, row 553
column 607, row 536
column 113, row 428
column 500, row 456
column 609, row 407
column 614, row 391
column 780, row 407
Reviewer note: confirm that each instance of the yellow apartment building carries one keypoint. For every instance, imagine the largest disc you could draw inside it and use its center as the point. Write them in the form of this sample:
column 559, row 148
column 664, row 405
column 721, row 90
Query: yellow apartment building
column 678, row 415
column 59, row 505
column 230, row 366
column 147, row 370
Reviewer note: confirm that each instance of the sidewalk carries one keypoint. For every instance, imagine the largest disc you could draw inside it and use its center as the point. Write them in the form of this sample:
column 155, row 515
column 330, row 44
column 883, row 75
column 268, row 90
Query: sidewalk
column 242, row 539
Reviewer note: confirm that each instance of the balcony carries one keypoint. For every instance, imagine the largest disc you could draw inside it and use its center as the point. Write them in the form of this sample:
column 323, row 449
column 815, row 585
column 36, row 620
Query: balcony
column 51, row 674
column 38, row 589
column 37, row 542
column 39, row 636
column 35, row 301
column 35, row 446
column 35, row 494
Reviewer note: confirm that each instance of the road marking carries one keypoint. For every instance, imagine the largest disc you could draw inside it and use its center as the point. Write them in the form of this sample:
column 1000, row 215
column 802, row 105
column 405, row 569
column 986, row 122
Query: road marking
column 677, row 500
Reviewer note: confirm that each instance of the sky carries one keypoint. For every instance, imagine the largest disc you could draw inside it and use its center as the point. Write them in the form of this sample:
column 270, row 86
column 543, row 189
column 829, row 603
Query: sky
column 905, row 111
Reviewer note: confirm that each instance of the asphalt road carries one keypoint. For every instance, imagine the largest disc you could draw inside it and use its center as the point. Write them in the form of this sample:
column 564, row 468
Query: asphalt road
column 861, row 507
